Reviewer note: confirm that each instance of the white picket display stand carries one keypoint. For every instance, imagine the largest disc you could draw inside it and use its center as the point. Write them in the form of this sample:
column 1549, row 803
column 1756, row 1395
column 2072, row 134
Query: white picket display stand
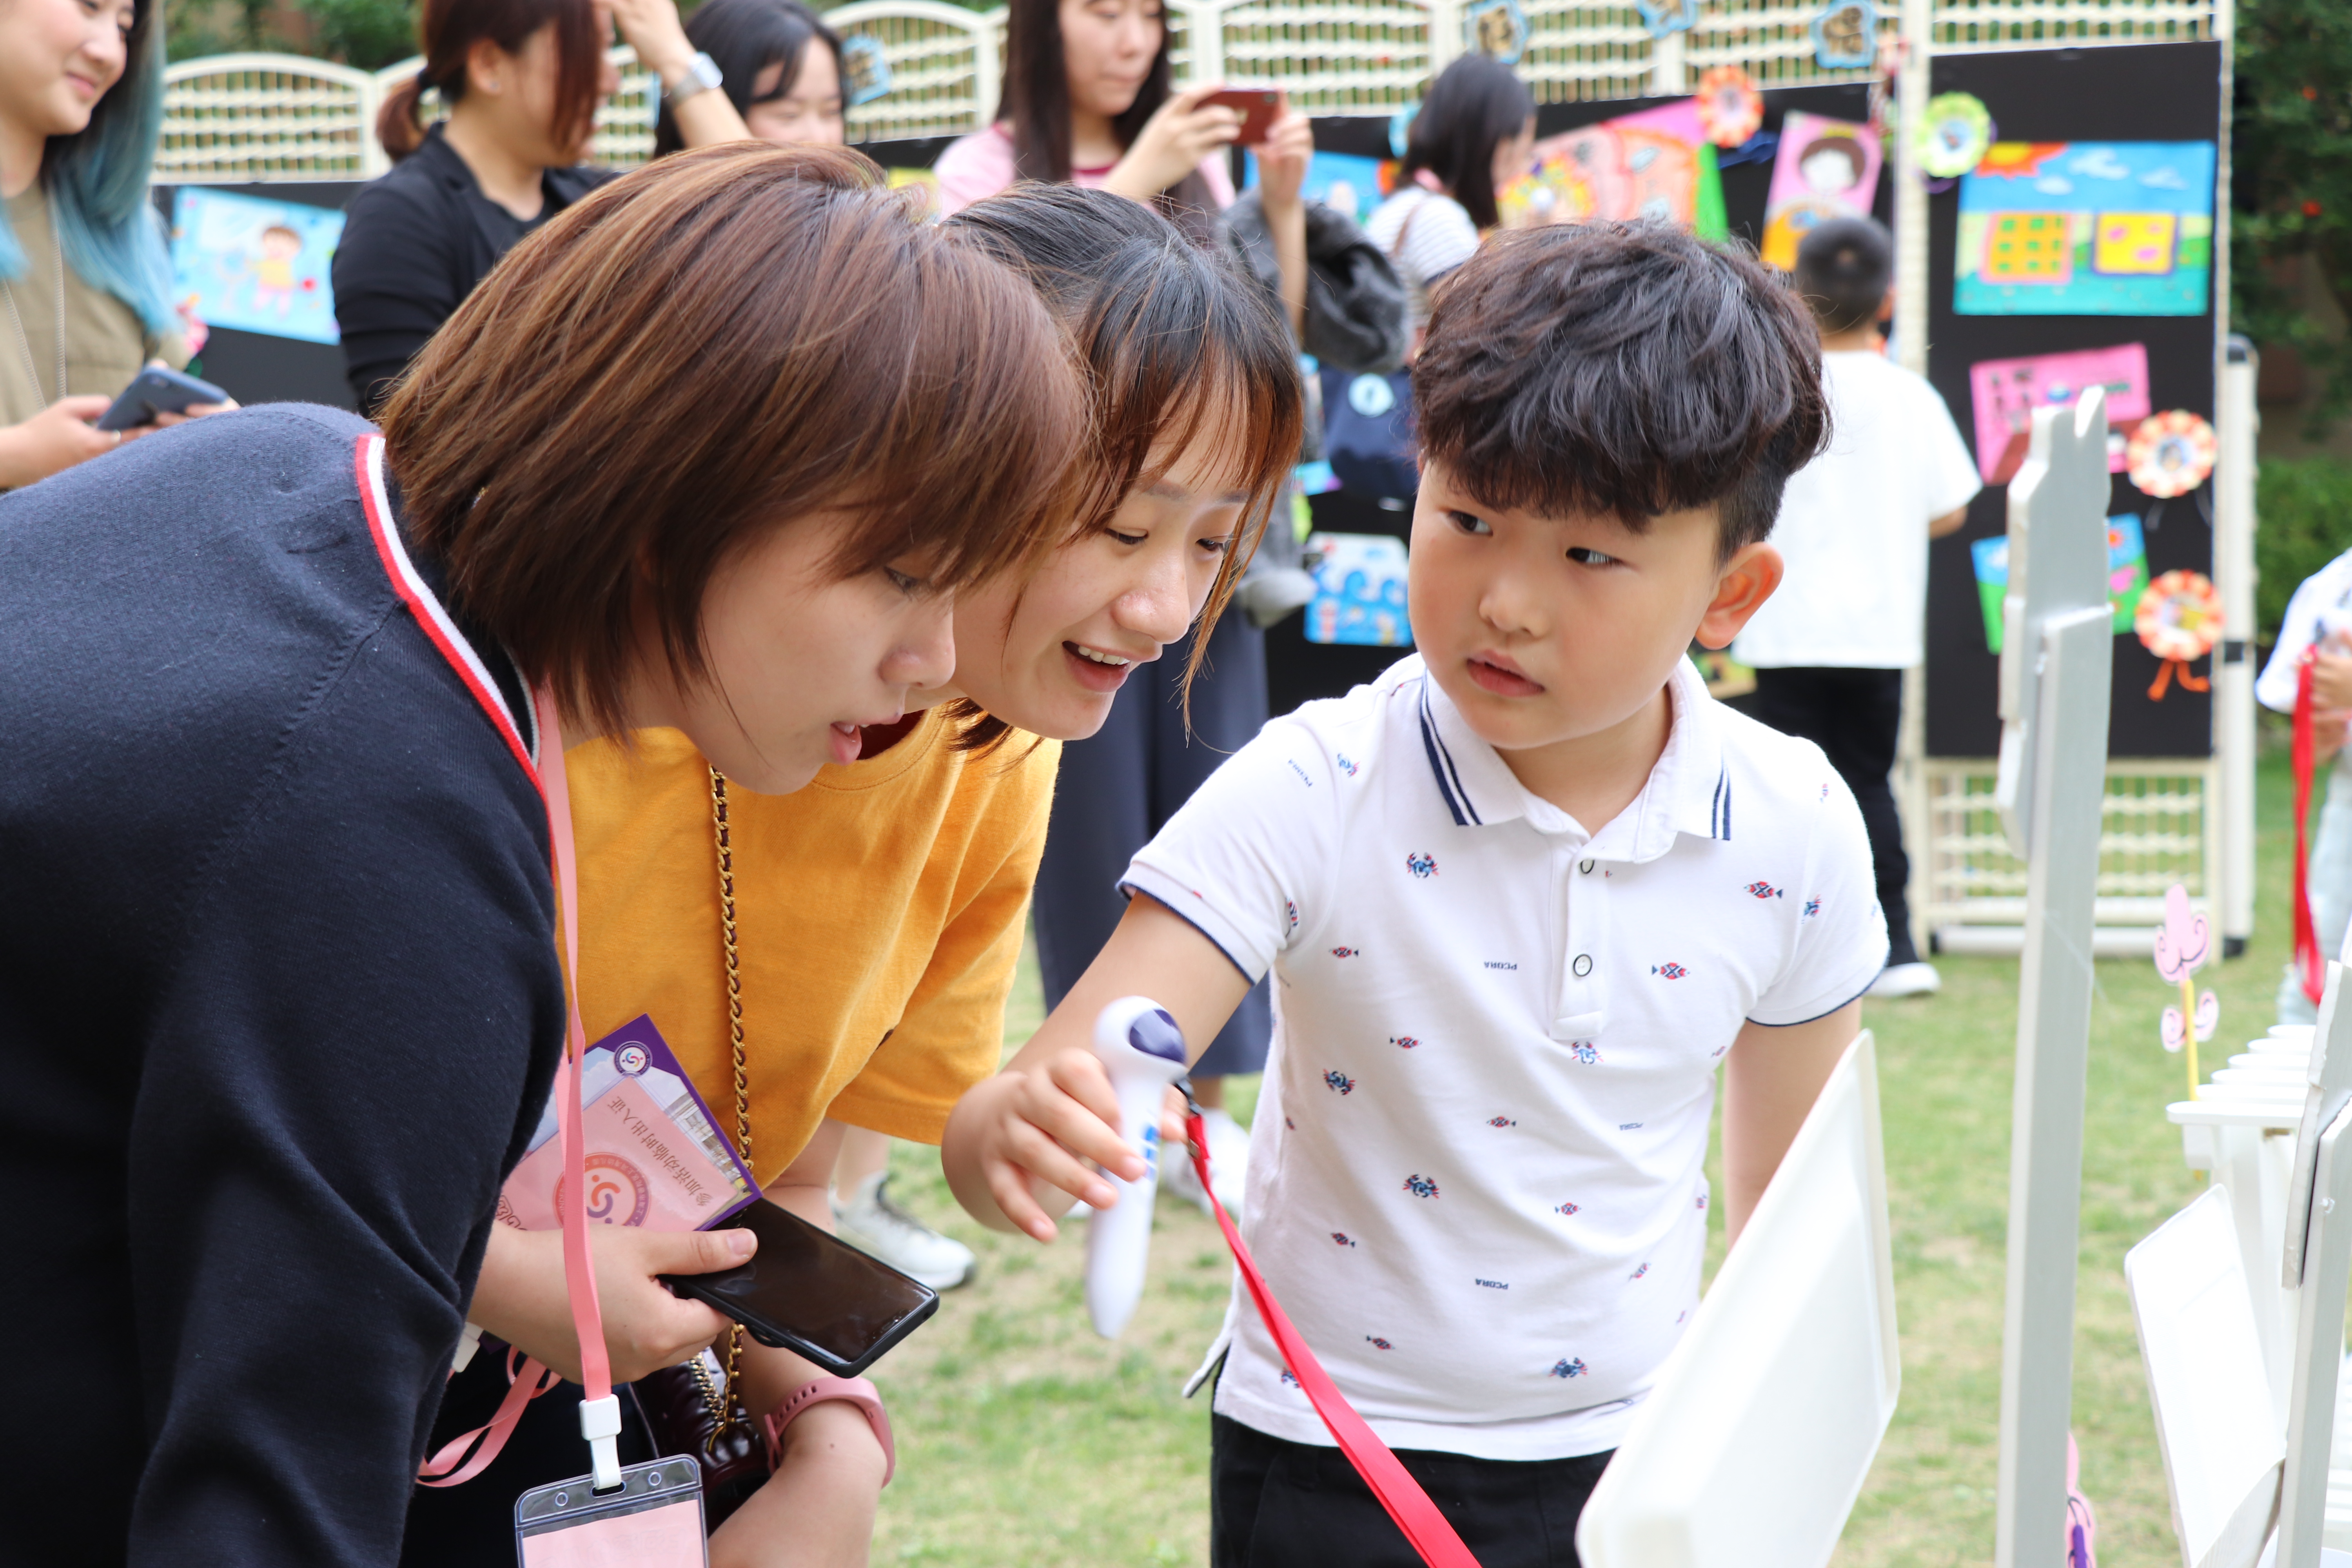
column 2215, row 1420
column 1750, row 1449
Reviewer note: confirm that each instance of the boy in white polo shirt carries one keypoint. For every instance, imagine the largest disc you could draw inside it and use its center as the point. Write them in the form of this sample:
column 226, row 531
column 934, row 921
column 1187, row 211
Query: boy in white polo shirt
column 1477, row 1168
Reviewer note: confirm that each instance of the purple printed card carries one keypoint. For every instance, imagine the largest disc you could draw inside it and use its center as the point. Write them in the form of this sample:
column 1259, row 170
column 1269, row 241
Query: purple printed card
column 656, row 1156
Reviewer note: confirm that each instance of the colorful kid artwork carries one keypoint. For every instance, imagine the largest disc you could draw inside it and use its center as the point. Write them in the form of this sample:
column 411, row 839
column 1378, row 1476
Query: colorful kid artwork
column 2086, row 228
column 2007, row 391
column 255, row 265
column 1656, row 164
column 1347, row 183
column 1826, row 169
column 2127, row 574
column 1360, row 591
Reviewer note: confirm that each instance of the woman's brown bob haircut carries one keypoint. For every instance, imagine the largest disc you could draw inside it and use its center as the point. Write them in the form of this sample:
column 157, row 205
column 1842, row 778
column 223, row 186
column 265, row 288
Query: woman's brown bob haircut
column 1175, row 344
column 704, row 351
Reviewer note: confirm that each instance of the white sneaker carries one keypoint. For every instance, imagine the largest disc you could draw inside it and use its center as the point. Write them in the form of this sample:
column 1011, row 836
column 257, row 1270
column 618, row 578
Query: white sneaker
column 1913, row 979
column 870, row 1220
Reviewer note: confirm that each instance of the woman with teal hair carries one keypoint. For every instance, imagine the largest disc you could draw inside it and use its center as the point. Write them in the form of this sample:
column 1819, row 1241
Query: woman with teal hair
column 85, row 283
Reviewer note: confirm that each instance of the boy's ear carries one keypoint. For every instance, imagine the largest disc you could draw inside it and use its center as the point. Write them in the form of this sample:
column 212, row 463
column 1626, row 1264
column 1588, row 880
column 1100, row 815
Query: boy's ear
column 1741, row 586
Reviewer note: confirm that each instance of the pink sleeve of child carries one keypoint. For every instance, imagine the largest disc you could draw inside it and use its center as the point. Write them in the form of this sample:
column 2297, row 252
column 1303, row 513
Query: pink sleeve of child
column 974, row 168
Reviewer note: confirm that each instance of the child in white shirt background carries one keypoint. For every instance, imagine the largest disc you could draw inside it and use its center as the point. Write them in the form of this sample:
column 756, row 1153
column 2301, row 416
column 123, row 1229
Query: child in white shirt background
column 2319, row 617
column 1520, row 896
column 1831, row 647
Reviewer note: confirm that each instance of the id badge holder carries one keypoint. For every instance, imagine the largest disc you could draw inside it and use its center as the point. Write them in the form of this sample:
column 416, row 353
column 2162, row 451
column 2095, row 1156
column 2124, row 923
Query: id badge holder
column 653, row 1520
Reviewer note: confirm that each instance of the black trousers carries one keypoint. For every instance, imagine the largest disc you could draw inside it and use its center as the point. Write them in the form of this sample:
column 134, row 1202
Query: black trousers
column 1853, row 715
column 1278, row 1504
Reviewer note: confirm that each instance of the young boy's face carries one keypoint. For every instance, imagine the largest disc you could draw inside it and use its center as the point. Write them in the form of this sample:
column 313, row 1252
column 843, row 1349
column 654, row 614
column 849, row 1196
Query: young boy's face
column 1546, row 630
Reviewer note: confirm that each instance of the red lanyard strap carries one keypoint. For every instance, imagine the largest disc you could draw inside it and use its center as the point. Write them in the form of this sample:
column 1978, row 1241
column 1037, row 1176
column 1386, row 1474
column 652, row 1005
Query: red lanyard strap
column 2309, row 962
column 1423, row 1525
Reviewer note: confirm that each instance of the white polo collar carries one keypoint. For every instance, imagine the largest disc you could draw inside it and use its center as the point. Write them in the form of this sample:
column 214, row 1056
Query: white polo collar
column 1689, row 789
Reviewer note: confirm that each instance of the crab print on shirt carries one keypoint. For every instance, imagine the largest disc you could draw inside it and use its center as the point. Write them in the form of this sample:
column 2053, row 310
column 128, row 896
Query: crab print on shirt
column 1346, row 952
column 1340, row 1081
column 1422, row 865
column 1566, row 1368
column 1668, row 970
column 1420, row 1186
column 1404, row 1042
column 1584, row 1051
column 1762, row 891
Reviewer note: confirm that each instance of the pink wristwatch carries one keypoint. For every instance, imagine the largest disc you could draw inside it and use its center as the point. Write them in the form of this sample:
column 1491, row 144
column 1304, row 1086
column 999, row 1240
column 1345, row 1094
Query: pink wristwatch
column 858, row 1391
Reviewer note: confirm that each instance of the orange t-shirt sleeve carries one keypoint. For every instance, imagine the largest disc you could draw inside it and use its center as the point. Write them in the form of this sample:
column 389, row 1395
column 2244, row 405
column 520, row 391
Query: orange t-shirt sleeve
column 951, row 1033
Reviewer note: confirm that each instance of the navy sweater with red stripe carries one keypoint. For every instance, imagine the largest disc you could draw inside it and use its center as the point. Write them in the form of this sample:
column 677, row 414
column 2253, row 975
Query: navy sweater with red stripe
column 279, row 1002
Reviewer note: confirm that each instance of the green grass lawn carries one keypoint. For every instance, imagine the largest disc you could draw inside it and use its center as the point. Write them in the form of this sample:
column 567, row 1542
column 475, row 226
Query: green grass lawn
column 1023, row 1439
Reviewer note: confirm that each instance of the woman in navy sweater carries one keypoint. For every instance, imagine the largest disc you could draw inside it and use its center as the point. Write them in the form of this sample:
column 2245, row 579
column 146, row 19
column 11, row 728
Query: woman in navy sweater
column 279, row 993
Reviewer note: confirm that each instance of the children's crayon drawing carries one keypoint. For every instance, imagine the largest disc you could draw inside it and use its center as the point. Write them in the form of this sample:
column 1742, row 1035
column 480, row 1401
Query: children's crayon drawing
column 1656, row 164
column 1360, row 591
column 2086, row 228
column 1347, row 183
column 2127, row 577
column 1826, row 169
column 2006, row 392
column 255, row 265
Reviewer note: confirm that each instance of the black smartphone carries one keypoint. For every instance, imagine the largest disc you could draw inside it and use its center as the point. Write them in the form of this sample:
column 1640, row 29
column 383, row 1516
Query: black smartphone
column 158, row 390
column 811, row 1293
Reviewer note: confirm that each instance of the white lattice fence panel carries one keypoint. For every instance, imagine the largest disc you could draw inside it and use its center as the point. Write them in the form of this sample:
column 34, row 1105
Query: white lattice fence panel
column 2154, row 830
column 2038, row 23
column 266, row 117
column 944, row 70
column 1773, row 40
column 1359, row 56
column 1578, row 49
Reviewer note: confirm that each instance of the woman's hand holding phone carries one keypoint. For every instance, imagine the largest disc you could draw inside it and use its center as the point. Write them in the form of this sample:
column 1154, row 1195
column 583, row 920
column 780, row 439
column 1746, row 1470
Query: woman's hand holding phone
column 522, row 1298
column 1173, row 142
column 59, row 437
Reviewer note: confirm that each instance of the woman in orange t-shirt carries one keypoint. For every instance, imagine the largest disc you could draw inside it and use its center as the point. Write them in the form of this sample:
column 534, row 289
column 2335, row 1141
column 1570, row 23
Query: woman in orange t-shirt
column 876, row 915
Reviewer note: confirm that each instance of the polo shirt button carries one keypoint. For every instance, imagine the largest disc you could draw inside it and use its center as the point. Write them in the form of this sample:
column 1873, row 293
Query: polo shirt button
column 1583, row 965
column 1585, row 866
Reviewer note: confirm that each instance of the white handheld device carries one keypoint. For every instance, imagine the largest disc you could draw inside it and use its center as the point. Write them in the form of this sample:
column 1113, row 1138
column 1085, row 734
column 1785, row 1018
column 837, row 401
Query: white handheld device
column 1144, row 1052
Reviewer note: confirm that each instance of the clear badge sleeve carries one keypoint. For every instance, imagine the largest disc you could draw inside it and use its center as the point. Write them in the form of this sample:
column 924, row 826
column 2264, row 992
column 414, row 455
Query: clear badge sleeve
column 656, row 1157
column 653, row 1520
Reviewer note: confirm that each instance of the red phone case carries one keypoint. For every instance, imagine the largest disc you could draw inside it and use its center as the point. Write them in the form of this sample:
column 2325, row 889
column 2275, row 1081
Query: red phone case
column 1257, row 105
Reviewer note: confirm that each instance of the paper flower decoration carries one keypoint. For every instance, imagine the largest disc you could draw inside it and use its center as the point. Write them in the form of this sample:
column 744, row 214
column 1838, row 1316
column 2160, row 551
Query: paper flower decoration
column 1730, row 109
column 865, row 69
column 2178, row 620
column 1496, row 29
column 1953, row 135
column 1846, row 36
column 1660, row 17
column 2170, row 454
column 2183, row 943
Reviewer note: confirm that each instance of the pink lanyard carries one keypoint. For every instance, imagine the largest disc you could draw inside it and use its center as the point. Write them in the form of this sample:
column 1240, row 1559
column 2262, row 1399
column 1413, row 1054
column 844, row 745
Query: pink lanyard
column 600, row 1411
column 1422, row 1523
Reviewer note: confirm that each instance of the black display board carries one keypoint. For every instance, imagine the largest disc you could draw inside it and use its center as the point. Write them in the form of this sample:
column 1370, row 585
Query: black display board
column 254, row 367
column 2158, row 92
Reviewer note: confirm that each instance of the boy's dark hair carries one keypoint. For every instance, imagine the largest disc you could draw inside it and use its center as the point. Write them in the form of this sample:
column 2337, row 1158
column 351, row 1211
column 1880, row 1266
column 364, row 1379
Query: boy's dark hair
column 1844, row 269
column 1474, row 104
column 1624, row 368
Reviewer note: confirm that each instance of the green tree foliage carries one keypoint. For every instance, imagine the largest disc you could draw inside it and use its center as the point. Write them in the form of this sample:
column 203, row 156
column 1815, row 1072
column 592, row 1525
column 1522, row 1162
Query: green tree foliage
column 369, row 34
column 2292, row 159
column 2306, row 513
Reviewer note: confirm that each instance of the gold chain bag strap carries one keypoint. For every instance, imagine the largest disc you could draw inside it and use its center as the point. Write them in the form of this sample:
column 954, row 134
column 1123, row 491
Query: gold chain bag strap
column 688, row 1411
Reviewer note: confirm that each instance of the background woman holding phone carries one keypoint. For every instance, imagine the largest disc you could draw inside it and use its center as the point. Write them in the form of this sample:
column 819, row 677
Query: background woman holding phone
column 85, row 284
column 521, row 79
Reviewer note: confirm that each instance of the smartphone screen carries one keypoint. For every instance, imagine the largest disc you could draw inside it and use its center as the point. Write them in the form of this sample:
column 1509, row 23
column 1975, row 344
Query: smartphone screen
column 814, row 1292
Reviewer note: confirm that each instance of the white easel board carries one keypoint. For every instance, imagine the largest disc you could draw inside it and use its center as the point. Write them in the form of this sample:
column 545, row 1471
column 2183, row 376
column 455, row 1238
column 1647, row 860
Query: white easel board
column 2216, row 1422
column 1751, row 1448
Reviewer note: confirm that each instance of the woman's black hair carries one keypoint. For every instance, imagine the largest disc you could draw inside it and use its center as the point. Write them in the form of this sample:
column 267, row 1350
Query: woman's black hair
column 1476, row 104
column 1036, row 101
column 744, row 37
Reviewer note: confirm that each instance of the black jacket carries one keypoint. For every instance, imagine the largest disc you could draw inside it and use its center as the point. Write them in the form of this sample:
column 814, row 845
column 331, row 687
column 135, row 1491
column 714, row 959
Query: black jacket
column 279, row 1002
column 414, row 244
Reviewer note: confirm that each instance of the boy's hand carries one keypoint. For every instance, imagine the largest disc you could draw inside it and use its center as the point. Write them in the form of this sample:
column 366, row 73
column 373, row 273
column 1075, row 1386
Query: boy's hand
column 2331, row 680
column 1039, row 1121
